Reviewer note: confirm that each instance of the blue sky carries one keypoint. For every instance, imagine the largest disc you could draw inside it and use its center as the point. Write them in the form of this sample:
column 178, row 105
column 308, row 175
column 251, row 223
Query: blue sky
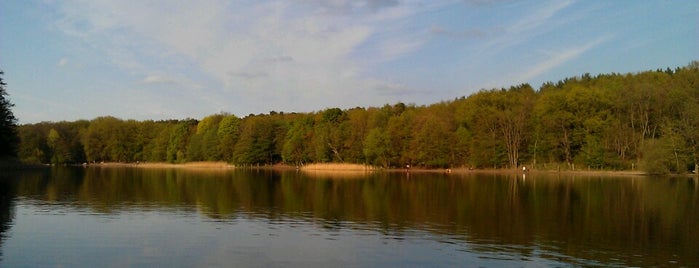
column 70, row 60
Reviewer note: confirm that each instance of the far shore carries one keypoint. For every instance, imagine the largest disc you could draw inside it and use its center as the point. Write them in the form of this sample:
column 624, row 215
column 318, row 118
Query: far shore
column 572, row 172
column 341, row 168
column 189, row 165
column 349, row 168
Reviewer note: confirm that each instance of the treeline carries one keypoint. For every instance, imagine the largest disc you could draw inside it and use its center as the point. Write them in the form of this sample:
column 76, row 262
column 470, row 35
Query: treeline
column 646, row 120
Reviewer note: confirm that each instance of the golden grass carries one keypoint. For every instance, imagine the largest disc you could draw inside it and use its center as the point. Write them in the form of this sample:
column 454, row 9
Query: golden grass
column 336, row 167
column 336, row 174
column 336, row 170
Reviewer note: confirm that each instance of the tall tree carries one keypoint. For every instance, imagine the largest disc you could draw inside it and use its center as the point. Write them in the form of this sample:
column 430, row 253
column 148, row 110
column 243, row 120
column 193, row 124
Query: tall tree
column 9, row 140
column 296, row 150
column 228, row 132
column 503, row 115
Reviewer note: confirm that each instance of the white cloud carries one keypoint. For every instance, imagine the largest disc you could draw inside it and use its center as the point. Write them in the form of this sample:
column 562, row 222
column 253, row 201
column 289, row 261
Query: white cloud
column 157, row 79
column 534, row 22
column 556, row 59
column 393, row 48
column 539, row 17
column 304, row 49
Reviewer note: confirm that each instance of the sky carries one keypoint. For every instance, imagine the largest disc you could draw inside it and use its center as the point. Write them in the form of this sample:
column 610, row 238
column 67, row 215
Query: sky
column 80, row 59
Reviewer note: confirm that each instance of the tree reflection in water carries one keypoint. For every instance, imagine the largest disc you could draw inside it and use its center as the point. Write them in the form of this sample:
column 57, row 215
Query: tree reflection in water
column 629, row 221
column 7, row 197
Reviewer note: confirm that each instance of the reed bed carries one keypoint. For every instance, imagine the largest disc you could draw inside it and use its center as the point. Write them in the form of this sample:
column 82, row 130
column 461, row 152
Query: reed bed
column 336, row 167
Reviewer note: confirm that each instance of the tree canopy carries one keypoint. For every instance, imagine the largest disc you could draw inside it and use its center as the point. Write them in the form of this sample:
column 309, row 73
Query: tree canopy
column 646, row 120
column 8, row 124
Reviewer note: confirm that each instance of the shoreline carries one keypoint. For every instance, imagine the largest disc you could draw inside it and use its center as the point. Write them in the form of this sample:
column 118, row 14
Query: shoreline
column 188, row 165
column 339, row 168
column 13, row 164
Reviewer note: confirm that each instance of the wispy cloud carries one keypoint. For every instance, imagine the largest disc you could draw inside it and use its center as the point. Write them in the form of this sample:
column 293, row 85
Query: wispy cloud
column 532, row 23
column 538, row 17
column 266, row 47
column 465, row 34
column 556, row 59
column 157, row 79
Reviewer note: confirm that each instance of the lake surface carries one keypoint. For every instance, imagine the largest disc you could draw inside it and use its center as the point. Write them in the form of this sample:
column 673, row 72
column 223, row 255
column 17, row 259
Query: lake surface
column 117, row 217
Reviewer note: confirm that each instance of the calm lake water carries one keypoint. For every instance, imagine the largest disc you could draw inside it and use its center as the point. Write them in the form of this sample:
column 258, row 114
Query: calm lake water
column 117, row 217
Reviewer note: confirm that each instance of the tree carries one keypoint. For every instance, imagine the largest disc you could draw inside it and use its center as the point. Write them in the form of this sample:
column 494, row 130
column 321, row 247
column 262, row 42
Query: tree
column 256, row 143
column 9, row 141
column 501, row 121
column 101, row 138
column 204, row 144
column 296, row 149
column 33, row 148
column 330, row 135
column 433, row 143
column 58, row 146
column 401, row 132
column 179, row 138
column 376, row 147
column 228, row 132
column 357, row 131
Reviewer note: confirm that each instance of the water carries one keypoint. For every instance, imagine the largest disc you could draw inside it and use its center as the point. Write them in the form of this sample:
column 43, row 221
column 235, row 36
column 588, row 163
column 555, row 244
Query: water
column 117, row 217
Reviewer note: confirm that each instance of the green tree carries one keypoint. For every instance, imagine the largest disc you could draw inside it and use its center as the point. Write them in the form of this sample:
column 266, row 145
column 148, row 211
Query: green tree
column 33, row 148
column 356, row 128
column 9, row 141
column 153, row 137
column 401, row 133
column 59, row 149
column 376, row 147
column 178, row 140
column 204, row 144
column 228, row 133
column 330, row 134
column 296, row 149
column 501, row 121
column 99, row 139
column 256, row 144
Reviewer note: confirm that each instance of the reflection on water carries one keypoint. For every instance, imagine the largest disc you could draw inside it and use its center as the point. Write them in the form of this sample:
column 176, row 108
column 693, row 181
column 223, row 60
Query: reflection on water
column 223, row 218
column 6, row 207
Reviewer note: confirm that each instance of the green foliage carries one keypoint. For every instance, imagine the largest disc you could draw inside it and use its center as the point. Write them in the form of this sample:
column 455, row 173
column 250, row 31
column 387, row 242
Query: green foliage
column 334, row 134
column 294, row 150
column 205, row 143
column 656, row 157
column 612, row 121
column 376, row 147
column 228, row 133
column 9, row 140
column 179, row 138
column 257, row 142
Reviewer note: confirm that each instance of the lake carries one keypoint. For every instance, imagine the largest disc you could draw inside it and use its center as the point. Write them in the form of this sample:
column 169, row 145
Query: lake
column 117, row 217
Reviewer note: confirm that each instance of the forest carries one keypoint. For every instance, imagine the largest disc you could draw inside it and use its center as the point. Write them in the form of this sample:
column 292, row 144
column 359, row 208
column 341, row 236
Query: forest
column 637, row 121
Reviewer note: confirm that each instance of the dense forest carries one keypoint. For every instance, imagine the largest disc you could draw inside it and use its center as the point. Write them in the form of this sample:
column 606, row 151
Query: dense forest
column 647, row 120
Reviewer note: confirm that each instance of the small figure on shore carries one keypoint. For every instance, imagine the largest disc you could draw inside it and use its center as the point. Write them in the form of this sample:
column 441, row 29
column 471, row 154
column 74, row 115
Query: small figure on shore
column 524, row 169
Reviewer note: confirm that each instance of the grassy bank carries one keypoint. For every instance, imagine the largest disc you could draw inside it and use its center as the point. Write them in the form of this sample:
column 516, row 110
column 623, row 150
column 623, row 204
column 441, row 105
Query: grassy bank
column 330, row 169
column 336, row 167
column 189, row 165
column 336, row 170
